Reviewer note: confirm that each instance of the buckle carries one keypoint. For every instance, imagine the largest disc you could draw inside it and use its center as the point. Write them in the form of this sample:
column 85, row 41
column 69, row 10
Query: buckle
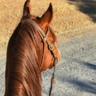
column 51, row 47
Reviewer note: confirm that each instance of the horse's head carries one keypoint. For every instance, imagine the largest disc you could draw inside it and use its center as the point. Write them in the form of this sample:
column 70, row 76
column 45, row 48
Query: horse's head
column 49, row 49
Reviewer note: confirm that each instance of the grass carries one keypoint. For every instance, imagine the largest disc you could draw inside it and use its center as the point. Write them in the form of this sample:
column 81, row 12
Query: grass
column 68, row 20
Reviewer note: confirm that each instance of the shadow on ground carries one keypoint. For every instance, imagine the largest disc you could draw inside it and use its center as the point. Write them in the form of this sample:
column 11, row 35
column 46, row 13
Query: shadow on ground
column 89, row 87
column 80, row 84
column 85, row 86
column 86, row 6
column 86, row 64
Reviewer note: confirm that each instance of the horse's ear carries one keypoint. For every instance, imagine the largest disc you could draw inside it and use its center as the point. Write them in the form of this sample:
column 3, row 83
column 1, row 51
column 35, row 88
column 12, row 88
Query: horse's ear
column 47, row 16
column 27, row 8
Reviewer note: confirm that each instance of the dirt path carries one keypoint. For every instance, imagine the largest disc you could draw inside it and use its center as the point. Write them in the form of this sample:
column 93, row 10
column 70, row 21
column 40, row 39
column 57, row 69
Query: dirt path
column 76, row 72
column 2, row 71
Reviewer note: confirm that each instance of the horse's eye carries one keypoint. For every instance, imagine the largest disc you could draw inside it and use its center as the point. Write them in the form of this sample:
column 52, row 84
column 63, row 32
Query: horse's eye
column 53, row 42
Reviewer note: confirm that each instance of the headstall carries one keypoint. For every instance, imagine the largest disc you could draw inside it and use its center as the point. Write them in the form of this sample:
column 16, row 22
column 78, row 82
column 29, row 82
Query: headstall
column 50, row 47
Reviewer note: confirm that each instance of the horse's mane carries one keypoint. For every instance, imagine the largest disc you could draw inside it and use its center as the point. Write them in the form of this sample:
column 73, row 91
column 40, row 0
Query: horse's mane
column 25, row 77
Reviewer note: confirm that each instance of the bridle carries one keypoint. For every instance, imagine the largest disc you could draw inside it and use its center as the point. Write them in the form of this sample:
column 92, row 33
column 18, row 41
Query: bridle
column 43, row 37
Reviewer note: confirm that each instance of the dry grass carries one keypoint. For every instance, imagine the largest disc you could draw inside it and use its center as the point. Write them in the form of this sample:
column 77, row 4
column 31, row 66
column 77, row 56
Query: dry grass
column 67, row 20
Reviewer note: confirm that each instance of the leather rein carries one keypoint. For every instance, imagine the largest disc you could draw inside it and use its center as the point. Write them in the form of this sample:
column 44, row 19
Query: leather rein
column 50, row 47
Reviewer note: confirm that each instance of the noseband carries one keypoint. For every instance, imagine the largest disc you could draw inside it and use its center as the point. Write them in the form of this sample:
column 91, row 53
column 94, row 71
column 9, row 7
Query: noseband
column 50, row 47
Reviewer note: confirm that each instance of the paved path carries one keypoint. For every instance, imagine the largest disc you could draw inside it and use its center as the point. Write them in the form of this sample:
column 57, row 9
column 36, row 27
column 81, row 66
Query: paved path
column 76, row 72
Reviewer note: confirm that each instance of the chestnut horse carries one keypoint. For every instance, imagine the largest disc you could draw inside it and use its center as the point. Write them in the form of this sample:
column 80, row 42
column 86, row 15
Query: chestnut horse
column 31, row 50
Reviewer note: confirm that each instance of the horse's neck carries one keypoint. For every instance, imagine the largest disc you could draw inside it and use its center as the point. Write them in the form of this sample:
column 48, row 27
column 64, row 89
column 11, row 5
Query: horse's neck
column 22, row 82
column 24, row 77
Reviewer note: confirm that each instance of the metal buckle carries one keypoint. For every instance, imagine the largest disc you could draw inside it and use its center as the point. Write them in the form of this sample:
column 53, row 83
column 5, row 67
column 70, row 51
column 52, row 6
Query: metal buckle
column 51, row 47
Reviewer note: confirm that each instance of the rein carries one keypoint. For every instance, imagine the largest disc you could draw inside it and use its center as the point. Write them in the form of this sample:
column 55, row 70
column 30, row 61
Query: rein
column 50, row 47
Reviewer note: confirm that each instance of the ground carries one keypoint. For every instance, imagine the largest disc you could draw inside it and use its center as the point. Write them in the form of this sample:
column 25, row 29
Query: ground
column 76, row 72
column 74, row 23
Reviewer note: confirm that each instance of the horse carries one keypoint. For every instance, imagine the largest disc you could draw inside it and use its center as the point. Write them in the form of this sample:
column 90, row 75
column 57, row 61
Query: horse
column 31, row 50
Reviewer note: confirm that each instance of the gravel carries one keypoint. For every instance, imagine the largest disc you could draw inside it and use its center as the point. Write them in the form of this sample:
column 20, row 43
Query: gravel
column 76, row 72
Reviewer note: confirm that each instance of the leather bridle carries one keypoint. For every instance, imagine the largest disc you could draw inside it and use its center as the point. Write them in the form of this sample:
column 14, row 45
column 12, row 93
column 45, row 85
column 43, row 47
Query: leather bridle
column 43, row 36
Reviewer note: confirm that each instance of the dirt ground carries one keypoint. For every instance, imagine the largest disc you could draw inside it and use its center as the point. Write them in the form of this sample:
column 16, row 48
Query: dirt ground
column 69, row 17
